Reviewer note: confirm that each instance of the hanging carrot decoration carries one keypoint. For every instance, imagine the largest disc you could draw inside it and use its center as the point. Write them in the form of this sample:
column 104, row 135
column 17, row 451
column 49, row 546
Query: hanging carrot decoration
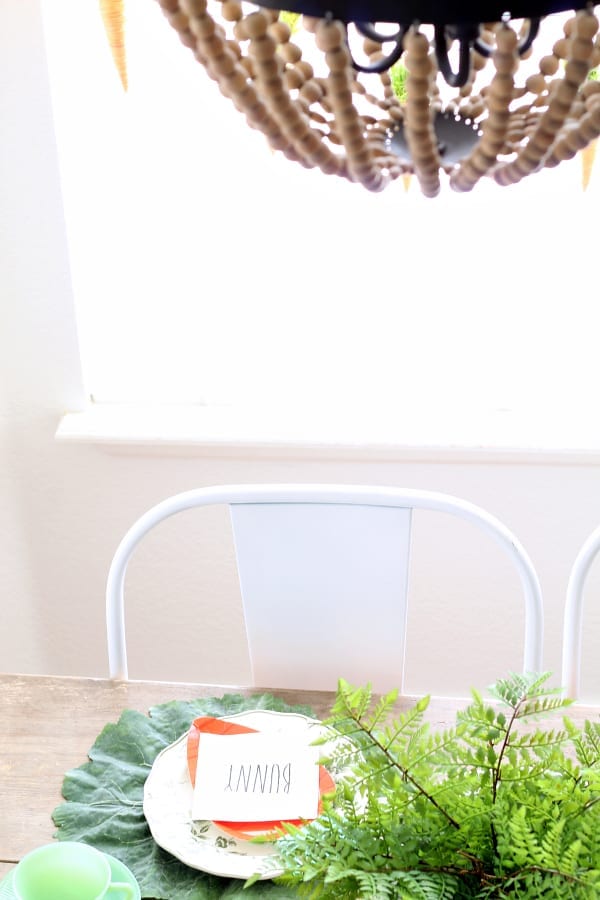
column 588, row 154
column 113, row 17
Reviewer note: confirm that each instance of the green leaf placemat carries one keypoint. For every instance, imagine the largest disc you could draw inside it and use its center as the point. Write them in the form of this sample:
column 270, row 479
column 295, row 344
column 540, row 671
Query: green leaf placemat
column 104, row 799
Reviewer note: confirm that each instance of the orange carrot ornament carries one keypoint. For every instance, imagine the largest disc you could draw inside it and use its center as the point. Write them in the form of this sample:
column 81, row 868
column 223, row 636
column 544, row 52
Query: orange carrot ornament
column 588, row 154
column 113, row 17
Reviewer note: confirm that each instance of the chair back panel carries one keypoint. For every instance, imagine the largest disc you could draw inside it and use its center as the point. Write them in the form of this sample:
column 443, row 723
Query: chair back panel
column 324, row 588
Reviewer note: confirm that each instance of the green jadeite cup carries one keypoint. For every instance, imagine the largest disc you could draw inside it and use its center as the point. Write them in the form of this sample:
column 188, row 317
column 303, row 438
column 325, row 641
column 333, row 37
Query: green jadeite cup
column 67, row 870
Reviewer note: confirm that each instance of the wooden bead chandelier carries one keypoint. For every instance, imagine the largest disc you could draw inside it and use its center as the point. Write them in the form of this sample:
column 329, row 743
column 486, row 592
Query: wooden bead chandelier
column 438, row 93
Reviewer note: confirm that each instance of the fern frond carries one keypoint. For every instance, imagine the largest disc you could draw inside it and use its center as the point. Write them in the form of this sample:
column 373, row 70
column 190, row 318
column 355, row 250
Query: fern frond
column 538, row 740
column 432, row 750
column 517, row 687
column 480, row 721
column 586, row 742
column 423, row 885
column 350, row 702
column 381, row 711
column 541, row 706
column 407, row 724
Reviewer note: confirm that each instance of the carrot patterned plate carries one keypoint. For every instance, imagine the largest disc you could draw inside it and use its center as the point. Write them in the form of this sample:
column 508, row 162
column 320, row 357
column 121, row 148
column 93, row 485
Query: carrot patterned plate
column 221, row 848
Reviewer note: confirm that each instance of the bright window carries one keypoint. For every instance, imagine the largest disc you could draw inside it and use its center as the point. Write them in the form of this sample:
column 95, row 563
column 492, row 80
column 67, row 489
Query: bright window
column 208, row 270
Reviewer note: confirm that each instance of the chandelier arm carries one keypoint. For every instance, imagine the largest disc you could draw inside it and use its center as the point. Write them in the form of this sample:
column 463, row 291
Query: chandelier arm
column 465, row 36
column 418, row 127
column 532, row 33
column 495, row 127
column 361, row 164
column 547, row 132
column 486, row 50
column 367, row 30
column 382, row 65
column 482, row 47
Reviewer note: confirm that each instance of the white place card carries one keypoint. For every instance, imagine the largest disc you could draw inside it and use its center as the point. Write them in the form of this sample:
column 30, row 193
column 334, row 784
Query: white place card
column 255, row 778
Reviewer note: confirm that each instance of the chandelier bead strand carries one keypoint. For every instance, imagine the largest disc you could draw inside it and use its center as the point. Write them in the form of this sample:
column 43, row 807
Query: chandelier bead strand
column 419, row 129
column 495, row 128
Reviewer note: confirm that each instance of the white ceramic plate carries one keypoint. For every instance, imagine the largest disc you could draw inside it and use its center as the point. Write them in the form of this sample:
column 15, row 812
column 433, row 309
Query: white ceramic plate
column 168, row 802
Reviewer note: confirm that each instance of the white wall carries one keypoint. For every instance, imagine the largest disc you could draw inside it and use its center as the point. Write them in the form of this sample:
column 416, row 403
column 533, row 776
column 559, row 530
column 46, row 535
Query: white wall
column 63, row 508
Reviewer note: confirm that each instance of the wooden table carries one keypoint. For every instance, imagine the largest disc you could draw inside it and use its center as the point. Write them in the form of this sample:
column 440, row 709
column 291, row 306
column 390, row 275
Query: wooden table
column 47, row 725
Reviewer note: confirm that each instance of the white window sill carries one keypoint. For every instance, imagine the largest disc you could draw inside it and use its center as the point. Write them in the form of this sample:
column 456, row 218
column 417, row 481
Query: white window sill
column 225, row 431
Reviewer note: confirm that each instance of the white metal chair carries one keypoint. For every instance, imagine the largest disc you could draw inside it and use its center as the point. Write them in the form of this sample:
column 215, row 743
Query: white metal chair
column 320, row 567
column 571, row 651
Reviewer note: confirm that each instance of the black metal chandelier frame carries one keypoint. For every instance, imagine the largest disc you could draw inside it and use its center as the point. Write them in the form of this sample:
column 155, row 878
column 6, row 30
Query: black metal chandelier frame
column 454, row 22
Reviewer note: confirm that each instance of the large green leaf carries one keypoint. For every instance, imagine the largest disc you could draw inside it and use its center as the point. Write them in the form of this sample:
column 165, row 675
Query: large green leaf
column 104, row 799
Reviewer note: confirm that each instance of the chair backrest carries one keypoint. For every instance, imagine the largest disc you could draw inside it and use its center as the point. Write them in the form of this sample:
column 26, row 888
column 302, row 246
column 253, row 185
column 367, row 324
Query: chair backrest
column 320, row 568
column 571, row 651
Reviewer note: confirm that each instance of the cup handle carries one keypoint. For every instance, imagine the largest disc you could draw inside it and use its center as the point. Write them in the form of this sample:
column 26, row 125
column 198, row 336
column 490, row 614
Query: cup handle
column 124, row 890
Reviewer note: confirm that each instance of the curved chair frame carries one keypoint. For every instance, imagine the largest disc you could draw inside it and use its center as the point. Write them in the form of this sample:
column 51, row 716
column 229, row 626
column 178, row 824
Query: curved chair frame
column 572, row 630
column 253, row 494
